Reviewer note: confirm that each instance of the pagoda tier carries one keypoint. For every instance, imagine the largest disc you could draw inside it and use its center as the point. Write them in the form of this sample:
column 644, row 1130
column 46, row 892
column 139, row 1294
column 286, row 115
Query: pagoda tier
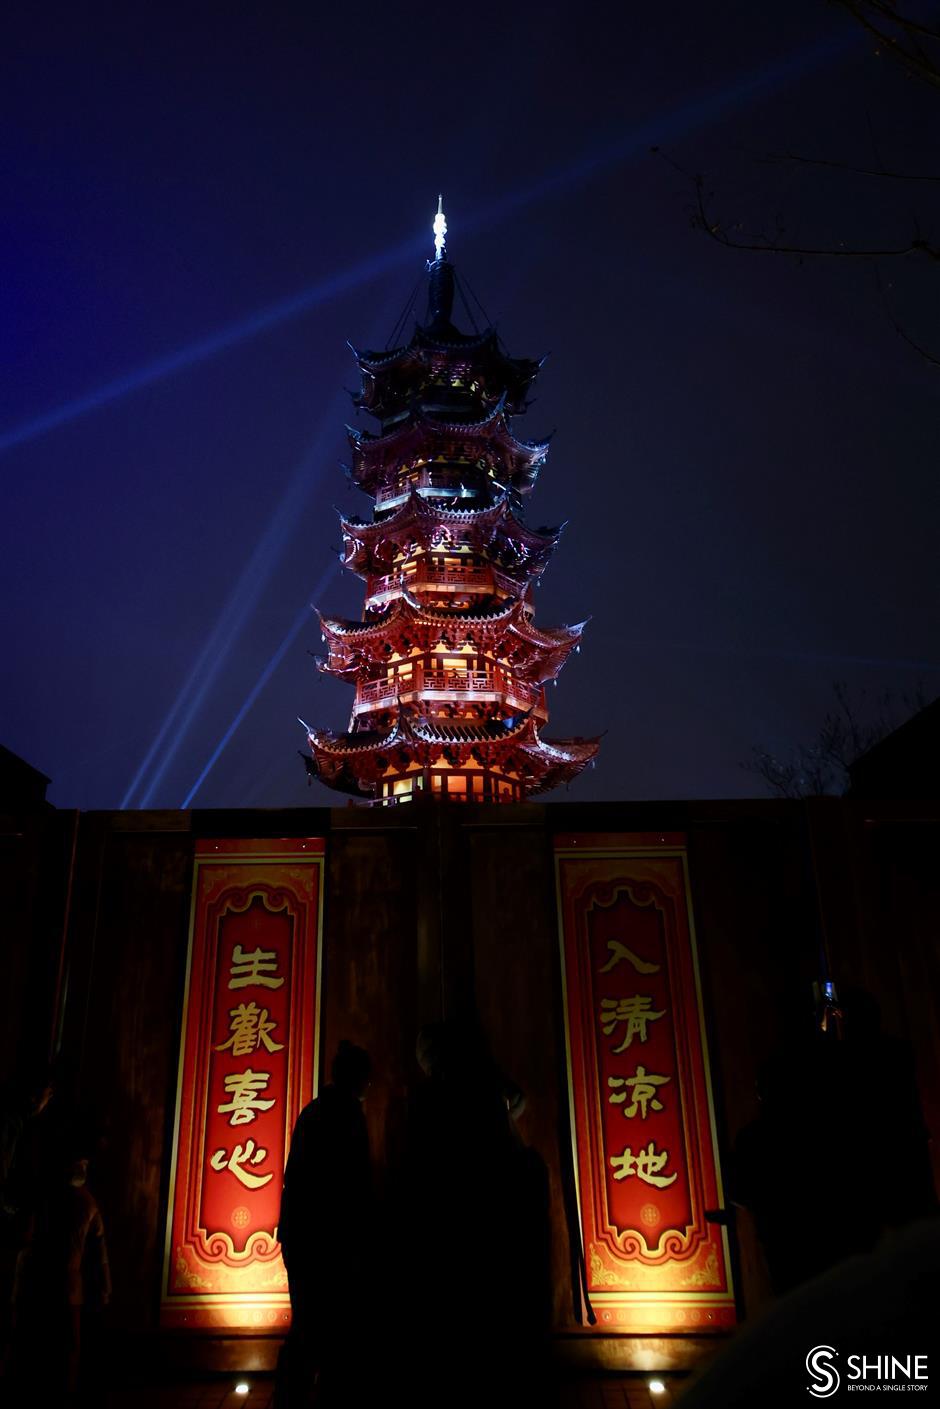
column 446, row 459
column 373, row 550
column 494, row 761
column 442, row 374
column 448, row 665
column 502, row 634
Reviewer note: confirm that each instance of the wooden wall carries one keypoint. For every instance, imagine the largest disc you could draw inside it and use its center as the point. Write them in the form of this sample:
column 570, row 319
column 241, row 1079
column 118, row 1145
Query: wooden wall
column 433, row 911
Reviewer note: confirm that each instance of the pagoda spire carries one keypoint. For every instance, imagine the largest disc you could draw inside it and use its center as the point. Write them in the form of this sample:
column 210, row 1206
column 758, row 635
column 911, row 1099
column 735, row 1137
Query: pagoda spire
column 440, row 278
column 448, row 666
column 440, row 230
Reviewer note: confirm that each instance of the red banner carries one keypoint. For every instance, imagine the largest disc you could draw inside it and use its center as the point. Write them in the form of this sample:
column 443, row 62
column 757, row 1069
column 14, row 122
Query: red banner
column 248, row 1064
column 642, row 1121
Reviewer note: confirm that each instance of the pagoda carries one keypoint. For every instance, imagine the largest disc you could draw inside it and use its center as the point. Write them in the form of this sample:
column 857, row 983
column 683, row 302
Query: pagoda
column 448, row 664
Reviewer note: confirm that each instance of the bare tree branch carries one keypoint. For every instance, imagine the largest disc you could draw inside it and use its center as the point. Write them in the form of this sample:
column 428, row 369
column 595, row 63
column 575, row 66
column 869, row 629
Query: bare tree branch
column 915, row 44
column 884, row 174
column 822, row 767
column 876, row 19
column 703, row 220
column 892, row 14
column 901, row 331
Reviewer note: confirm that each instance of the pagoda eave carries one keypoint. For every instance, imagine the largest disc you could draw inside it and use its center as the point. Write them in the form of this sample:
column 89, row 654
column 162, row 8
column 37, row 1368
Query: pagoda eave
column 377, row 460
column 554, row 762
column 356, row 763
column 348, row 671
column 517, row 548
column 415, row 508
column 483, row 349
column 335, row 774
column 535, row 655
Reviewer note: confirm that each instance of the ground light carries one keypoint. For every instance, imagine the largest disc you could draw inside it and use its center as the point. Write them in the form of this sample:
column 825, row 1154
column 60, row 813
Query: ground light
column 656, row 1387
column 242, row 1387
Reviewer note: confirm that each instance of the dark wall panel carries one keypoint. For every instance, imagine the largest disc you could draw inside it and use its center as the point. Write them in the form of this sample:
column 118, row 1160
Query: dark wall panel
column 369, row 973
column 126, row 1025
column 510, row 888
column 432, row 911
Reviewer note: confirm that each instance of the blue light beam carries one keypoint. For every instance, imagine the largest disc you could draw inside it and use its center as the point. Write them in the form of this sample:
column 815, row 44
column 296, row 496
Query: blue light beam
column 220, row 341
column 250, row 584
column 300, row 621
column 706, row 109
column 287, row 515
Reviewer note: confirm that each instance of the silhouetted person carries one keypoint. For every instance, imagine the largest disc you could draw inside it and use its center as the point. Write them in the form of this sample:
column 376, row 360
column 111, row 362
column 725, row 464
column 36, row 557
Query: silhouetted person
column 530, row 1378
column 62, row 1276
column 461, row 1244
column 839, row 1150
column 324, row 1223
column 877, row 1304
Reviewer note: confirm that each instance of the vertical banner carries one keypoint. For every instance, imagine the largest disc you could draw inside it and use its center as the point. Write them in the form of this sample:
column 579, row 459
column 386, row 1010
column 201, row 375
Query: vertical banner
column 248, row 1064
column 642, row 1121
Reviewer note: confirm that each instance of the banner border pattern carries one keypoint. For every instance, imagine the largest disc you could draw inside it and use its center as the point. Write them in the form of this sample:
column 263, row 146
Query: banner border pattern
column 629, row 846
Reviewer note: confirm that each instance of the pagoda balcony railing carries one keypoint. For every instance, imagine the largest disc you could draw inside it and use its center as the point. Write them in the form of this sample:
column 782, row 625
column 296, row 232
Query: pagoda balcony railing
column 378, row 694
column 434, row 484
column 419, row 796
column 456, row 576
column 464, row 681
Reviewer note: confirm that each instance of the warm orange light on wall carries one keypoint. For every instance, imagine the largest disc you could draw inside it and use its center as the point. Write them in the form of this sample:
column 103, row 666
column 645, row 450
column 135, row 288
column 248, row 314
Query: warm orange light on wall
column 644, row 1146
column 247, row 1066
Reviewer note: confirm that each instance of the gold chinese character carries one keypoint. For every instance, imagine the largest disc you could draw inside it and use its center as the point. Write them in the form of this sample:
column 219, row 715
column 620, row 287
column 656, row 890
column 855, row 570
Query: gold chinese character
column 250, row 1027
column 620, row 951
column 254, row 967
column 243, row 1087
column 240, row 1156
column 645, row 1164
column 635, row 1012
column 644, row 1085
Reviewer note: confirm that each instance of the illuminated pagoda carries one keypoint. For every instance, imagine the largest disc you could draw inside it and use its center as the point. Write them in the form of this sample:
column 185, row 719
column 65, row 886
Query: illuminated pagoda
column 448, row 664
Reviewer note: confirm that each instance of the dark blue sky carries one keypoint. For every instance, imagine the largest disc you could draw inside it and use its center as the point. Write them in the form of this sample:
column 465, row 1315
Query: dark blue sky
column 201, row 203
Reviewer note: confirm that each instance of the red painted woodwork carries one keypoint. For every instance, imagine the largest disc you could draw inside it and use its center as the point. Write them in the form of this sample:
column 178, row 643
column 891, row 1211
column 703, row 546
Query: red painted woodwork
column 448, row 664
column 247, row 1067
column 641, row 1110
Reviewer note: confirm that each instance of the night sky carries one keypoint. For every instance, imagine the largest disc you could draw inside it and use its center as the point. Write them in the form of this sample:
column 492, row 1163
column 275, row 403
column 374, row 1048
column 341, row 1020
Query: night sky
column 202, row 203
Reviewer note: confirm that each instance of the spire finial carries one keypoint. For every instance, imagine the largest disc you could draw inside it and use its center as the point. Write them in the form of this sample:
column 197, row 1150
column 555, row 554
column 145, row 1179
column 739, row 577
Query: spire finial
column 440, row 229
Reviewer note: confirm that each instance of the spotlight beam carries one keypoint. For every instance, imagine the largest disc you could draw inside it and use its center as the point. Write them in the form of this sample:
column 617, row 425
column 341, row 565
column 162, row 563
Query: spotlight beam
column 250, row 584
column 300, row 621
column 231, row 335
column 285, row 519
column 708, row 108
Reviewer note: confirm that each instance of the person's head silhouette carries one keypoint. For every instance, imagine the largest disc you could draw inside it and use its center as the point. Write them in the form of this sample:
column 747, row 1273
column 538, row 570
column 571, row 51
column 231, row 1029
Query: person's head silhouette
column 351, row 1069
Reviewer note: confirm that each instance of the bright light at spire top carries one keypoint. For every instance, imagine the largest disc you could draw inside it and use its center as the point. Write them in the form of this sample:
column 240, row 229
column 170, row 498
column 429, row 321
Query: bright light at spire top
column 440, row 229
